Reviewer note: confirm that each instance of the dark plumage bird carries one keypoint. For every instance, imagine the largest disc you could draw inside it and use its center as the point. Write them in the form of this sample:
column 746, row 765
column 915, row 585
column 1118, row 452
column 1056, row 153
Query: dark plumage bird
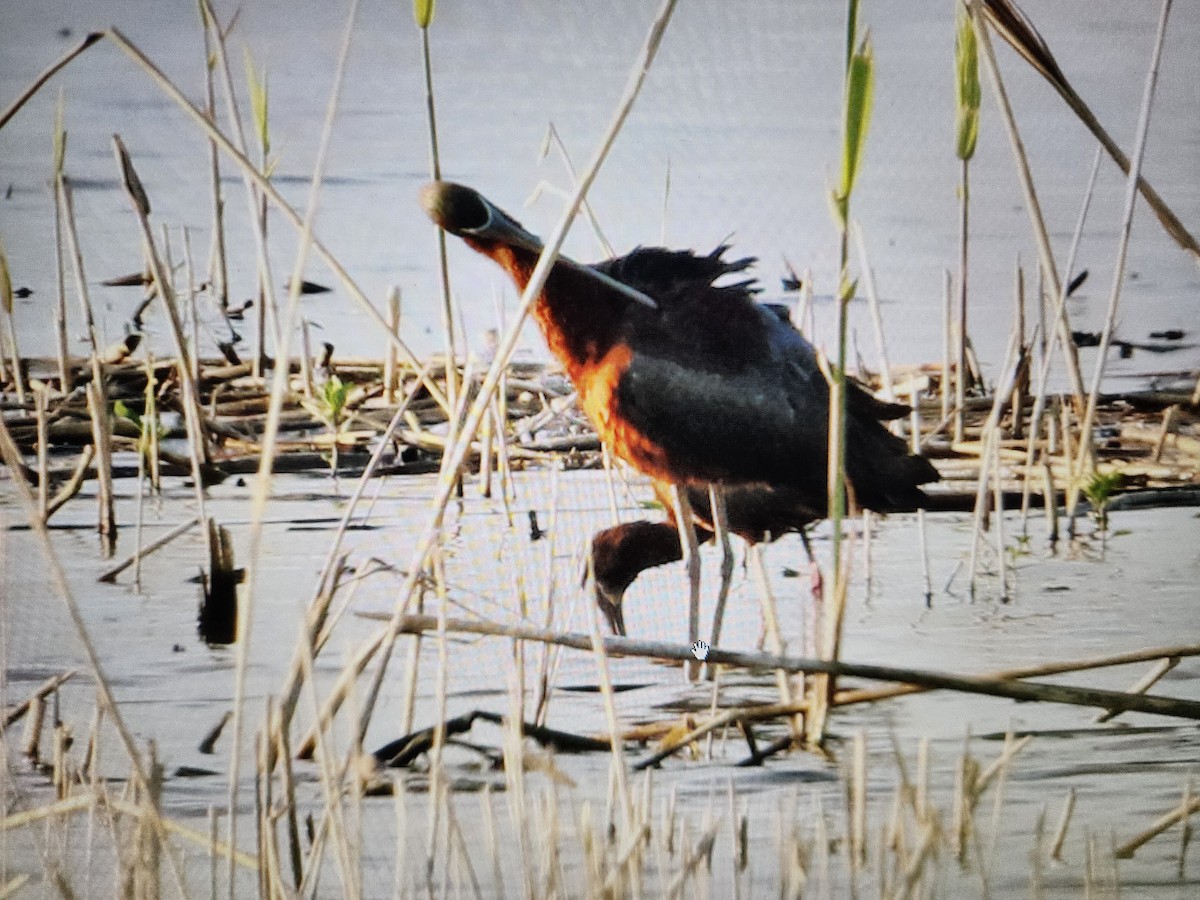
column 693, row 382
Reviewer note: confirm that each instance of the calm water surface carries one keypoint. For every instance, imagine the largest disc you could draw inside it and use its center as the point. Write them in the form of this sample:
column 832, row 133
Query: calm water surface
column 741, row 108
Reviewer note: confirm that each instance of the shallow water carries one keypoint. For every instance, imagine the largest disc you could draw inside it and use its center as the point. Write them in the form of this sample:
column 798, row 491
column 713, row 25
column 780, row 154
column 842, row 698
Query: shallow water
column 742, row 108
column 1072, row 604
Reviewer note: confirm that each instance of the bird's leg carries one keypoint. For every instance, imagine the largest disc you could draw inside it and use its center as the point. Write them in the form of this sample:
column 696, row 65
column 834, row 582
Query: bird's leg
column 816, row 586
column 815, row 579
column 691, row 559
column 716, row 501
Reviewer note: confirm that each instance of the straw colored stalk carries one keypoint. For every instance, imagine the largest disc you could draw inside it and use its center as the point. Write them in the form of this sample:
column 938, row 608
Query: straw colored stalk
column 989, row 438
column 1029, row 194
column 1180, row 813
column 279, row 386
column 423, row 15
column 1086, row 448
column 254, row 177
column 218, row 265
column 457, row 454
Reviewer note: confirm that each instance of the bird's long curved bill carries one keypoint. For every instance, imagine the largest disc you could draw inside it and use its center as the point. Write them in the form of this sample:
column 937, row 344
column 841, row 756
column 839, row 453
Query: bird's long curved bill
column 465, row 212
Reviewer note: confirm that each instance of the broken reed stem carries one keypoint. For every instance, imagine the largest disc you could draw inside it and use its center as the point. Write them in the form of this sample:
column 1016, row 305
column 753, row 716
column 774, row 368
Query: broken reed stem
column 1086, row 443
column 49, row 73
column 112, row 572
column 44, row 690
column 389, row 359
column 1178, row 814
column 43, row 453
column 189, row 392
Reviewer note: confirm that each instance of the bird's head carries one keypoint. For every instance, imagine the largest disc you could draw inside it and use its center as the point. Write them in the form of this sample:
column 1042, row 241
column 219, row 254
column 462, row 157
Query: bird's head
column 468, row 214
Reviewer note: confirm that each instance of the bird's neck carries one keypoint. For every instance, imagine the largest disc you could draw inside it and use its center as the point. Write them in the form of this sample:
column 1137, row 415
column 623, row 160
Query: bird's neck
column 579, row 317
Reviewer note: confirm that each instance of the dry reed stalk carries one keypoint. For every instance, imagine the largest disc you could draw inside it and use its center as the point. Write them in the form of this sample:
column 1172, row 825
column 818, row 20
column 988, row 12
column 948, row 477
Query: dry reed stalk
column 514, row 772
column 1051, row 504
column 32, row 740
column 37, row 84
column 549, row 654
column 1185, row 833
column 112, row 572
column 770, row 617
column 1086, row 443
column 44, row 690
column 947, row 341
column 99, row 425
column 552, row 137
column 885, row 365
column 1017, row 403
column 1016, row 690
column 820, row 687
column 278, row 389
column 537, row 280
column 101, row 439
column 857, row 801
column 437, row 774
column 989, row 435
column 218, row 265
column 998, row 508
column 1029, row 194
column 871, row 695
column 389, row 359
column 435, row 166
column 922, row 534
column 189, row 395
column 43, row 453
